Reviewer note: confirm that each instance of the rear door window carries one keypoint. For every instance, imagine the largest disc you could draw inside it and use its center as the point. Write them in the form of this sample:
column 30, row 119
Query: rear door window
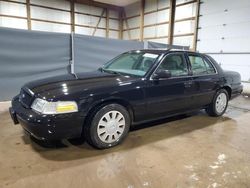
column 200, row 66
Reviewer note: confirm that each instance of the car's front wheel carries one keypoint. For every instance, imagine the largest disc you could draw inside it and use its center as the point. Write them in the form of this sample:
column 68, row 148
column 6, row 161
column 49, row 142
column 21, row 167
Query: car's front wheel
column 108, row 126
column 219, row 103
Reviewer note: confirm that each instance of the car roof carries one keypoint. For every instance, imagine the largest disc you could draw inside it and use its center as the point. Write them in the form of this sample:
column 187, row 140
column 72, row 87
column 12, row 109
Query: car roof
column 161, row 50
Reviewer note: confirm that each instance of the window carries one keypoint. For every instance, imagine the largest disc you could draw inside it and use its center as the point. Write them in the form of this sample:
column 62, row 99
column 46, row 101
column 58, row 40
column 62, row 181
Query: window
column 199, row 66
column 125, row 62
column 175, row 63
column 210, row 68
column 132, row 63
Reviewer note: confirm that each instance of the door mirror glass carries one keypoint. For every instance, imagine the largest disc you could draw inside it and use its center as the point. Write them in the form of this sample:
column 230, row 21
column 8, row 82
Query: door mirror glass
column 162, row 74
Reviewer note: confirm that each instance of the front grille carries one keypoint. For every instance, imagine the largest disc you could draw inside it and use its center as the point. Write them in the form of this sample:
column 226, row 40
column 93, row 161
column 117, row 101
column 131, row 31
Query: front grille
column 25, row 98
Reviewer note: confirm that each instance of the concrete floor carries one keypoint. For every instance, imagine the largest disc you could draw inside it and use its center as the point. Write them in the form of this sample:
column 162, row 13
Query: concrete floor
column 195, row 151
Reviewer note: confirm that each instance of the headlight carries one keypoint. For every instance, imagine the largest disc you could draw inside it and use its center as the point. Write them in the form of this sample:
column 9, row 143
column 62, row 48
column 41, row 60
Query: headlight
column 59, row 107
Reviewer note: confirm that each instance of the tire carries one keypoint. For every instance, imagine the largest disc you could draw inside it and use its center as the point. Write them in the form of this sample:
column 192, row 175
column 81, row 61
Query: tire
column 107, row 126
column 219, row 104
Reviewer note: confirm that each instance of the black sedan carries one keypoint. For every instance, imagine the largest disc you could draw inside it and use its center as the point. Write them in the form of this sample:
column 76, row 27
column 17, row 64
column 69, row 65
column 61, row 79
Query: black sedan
column 135, row 87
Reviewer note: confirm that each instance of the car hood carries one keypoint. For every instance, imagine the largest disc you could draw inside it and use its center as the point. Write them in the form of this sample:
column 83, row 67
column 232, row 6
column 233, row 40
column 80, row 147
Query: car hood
column 65, row 85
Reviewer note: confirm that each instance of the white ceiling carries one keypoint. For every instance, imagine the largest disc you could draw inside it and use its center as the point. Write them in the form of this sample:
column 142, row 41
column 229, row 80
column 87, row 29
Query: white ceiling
column 121, row 3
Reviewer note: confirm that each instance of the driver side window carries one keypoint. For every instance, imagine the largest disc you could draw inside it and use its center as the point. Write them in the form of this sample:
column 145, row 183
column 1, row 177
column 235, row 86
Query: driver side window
column 175, row 64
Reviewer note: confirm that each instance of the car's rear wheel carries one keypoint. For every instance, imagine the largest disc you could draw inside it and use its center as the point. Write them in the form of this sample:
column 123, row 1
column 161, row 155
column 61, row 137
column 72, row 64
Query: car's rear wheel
column 108, row 126
column 219, row 104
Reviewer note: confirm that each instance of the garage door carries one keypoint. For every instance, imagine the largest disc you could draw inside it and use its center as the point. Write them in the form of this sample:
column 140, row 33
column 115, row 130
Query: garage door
column 224, row 33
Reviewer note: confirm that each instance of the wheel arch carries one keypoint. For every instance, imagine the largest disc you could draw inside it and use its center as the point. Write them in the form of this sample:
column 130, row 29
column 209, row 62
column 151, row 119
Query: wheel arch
column 98, row 105
column 229, row 90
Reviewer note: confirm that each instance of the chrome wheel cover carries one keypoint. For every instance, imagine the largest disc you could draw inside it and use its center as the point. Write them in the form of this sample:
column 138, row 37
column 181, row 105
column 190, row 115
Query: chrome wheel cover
column 221, row 102
column 111, row 127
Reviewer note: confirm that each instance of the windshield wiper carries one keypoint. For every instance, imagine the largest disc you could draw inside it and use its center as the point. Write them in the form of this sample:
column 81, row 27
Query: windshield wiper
column 111, row 71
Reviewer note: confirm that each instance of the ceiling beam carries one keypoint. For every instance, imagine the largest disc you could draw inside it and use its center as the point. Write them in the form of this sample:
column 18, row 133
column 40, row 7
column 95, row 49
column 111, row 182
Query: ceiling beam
column 98, row 4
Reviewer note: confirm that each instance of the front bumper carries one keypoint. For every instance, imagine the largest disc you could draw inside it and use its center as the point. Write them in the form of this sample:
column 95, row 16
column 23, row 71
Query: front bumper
column 47, row 127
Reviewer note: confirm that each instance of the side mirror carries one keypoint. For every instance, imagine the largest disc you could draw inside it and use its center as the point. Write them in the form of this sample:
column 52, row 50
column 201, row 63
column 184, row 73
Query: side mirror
column 162, row 74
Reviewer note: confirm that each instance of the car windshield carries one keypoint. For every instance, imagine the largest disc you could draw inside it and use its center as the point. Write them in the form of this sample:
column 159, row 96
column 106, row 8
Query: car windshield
column 131, row 63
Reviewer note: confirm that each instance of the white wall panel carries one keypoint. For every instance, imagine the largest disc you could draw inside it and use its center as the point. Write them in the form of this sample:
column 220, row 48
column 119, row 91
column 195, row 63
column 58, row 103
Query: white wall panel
column 156, row 31
column 113, row 14
column 232, row 16
column 134, row 34
column 162, row 30
column 132, row 10
column 62, row 4
column 150, row 5
column 83, row 19
column 163, row 3
column 184, row 27
column 225, row 45
column 52, row 15
column 125, row 35
column 13, row 9
column 89, row 31
column 185, row 11
column 89, row 9
column 51, row 27
column 156, row 17
column 100, row 33
column 225, row 27
column 113, row 24
column 163, row 16
column 209, row 7
column 150, row 32
column 228, row 31
column 161, row 40
column 13, row 23
column 150, row 18
column 97, row 11
column 82, row 8
column 114, row 34
column 84, row 30
column 89, row 20
column 133, row 22
column 184, row 41
column 94, row 22
column 236, row 62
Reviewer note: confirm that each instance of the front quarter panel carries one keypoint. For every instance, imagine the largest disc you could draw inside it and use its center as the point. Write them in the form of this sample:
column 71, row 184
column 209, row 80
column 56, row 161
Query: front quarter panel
column 130, row 93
